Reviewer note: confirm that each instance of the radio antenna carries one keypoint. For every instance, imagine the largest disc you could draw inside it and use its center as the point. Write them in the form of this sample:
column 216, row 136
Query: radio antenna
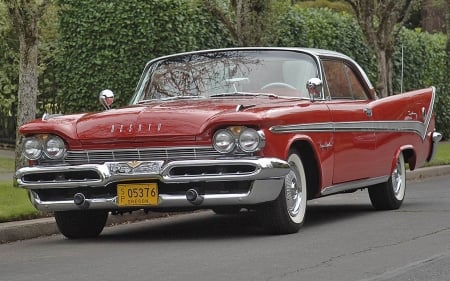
column 401, row 75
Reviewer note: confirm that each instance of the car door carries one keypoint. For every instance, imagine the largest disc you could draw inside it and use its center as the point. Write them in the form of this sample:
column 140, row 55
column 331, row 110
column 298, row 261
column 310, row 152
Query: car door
column 354, row 145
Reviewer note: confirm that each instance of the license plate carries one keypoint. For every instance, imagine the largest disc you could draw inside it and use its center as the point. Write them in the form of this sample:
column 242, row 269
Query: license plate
column 137, row 194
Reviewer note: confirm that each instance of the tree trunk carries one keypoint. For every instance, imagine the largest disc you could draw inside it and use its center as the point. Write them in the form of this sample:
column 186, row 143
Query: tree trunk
column 28, row 88
column 25, row 15
column 384, row 86
column 247, row 20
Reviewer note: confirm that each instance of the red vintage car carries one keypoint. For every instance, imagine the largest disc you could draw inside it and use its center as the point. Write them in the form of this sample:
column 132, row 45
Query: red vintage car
column 262, row 129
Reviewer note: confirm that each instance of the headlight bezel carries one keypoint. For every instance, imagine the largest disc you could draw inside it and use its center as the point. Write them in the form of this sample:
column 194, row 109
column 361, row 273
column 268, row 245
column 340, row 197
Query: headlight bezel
column 238, row 135
column 219, row 136
column 61, row 147
column 37, row 145
column 43, row 143
column 250, row 133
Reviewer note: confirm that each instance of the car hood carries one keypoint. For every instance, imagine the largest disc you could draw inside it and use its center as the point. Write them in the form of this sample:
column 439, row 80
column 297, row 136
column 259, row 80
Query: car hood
column 180, row 118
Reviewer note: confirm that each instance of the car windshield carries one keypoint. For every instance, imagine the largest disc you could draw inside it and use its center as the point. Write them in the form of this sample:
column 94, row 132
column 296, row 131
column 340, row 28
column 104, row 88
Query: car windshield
column 223, row 73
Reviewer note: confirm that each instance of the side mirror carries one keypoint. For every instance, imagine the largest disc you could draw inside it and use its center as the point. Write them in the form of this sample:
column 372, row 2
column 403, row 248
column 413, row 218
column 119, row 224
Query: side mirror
column 106, row 98
column 314, row 87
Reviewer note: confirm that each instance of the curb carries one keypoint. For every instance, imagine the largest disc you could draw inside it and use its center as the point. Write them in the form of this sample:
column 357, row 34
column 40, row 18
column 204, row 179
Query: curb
column 428, row 172
column 28, row 229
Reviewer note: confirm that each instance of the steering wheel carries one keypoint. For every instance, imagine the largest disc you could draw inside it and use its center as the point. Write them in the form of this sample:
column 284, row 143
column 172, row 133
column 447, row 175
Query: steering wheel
column 278, row 84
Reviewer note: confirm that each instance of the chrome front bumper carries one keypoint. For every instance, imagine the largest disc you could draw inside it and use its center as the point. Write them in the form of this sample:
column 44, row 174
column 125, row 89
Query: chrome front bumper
column 266, row 175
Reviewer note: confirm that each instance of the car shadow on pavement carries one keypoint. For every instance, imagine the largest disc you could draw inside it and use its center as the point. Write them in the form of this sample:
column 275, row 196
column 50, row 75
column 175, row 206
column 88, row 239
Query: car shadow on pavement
column 323, row 214
column 209, row 226
column 203, row 225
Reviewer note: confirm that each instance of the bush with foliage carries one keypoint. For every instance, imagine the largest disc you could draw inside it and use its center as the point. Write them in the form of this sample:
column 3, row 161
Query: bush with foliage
column 107, row 43
column 424, row 65
column 325, row 29
column 9, row 60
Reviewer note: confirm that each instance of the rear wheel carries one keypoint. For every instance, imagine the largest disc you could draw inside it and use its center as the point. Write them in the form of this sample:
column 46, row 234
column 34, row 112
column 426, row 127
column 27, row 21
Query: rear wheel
column 81, row 224
column 287, row 213
column 389, row 195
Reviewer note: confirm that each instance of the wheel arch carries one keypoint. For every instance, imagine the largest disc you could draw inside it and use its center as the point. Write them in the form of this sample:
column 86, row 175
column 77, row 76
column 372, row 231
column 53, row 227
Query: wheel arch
column 311, row 165
column 409, row 155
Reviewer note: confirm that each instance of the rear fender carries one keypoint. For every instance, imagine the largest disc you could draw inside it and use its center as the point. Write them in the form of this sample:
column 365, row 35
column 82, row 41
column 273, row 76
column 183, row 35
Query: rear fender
column 409, row 155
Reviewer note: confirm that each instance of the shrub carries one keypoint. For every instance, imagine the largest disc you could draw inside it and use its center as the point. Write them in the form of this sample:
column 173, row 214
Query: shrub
column 107, row 43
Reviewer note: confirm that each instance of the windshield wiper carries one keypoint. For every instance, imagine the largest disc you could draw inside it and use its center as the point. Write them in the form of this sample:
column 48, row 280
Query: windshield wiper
column 270, row 95
column 170, row 98
column 180, row 98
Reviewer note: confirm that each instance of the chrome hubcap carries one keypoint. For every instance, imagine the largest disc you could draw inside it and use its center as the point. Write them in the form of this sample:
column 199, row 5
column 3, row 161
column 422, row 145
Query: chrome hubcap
column 397, row 178
column 293, row 190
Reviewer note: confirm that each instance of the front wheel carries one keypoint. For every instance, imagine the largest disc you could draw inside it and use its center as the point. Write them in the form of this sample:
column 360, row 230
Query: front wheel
column 287, row 213
column 81, row 224
column 389, row 195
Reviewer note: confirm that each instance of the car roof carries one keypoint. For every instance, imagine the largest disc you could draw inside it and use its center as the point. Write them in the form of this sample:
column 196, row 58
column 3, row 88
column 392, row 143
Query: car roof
column 312, row 51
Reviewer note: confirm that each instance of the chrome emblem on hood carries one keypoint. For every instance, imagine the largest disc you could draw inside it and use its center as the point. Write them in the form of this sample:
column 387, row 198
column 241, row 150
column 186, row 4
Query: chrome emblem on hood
column 131, row 128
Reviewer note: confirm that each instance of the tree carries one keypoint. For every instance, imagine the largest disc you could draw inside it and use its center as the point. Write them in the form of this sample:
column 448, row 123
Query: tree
column 25, row 15
column 381, row 22
column 246, row 20
column 433, row 15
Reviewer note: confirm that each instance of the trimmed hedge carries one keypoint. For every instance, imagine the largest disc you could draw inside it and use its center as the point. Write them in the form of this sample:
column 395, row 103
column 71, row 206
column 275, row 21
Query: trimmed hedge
column 425, row 65
column 107, row 43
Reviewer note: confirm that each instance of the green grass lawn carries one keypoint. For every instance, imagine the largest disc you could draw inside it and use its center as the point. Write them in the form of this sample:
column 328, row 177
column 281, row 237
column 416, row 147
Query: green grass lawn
column 442, row 156
column 6, row 165
column 14, row 203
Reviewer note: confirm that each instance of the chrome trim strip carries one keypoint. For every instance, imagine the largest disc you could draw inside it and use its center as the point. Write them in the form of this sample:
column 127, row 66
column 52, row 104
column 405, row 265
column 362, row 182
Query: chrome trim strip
column 338, row 188
column 419, row 128
column 265, row 168
column 77, row 157
column 359, row 126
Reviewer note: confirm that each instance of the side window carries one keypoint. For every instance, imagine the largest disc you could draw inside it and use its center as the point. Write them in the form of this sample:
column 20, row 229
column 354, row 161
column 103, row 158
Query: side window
column 356, row 88
column 342, row 81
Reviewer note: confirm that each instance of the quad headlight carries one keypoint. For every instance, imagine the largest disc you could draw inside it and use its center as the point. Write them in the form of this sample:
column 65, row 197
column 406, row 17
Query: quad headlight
column 32, row 148
column 54, row 147
column 249, row 140
column 51, row 146
column 242, row 138
column 224, row 141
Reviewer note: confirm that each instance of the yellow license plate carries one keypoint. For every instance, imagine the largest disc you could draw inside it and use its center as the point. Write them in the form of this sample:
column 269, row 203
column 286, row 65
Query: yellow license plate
column 137, row 194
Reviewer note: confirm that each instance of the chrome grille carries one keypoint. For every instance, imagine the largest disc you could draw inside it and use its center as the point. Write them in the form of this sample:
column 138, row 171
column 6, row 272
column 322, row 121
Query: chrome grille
column 147, row 154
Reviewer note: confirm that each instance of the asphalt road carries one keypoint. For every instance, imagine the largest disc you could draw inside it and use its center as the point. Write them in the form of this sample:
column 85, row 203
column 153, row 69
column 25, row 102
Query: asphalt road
column 343, row 239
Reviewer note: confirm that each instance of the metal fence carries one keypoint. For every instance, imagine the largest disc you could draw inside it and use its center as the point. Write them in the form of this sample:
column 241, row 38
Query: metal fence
column 7, row 129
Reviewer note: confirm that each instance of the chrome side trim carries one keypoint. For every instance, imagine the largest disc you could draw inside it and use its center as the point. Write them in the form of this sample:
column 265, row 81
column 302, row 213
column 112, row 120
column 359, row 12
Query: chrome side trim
column 338, row 188
column 361, row 126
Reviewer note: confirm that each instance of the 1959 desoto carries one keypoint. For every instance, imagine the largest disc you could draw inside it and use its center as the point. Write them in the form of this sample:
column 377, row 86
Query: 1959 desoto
column 262, row 129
